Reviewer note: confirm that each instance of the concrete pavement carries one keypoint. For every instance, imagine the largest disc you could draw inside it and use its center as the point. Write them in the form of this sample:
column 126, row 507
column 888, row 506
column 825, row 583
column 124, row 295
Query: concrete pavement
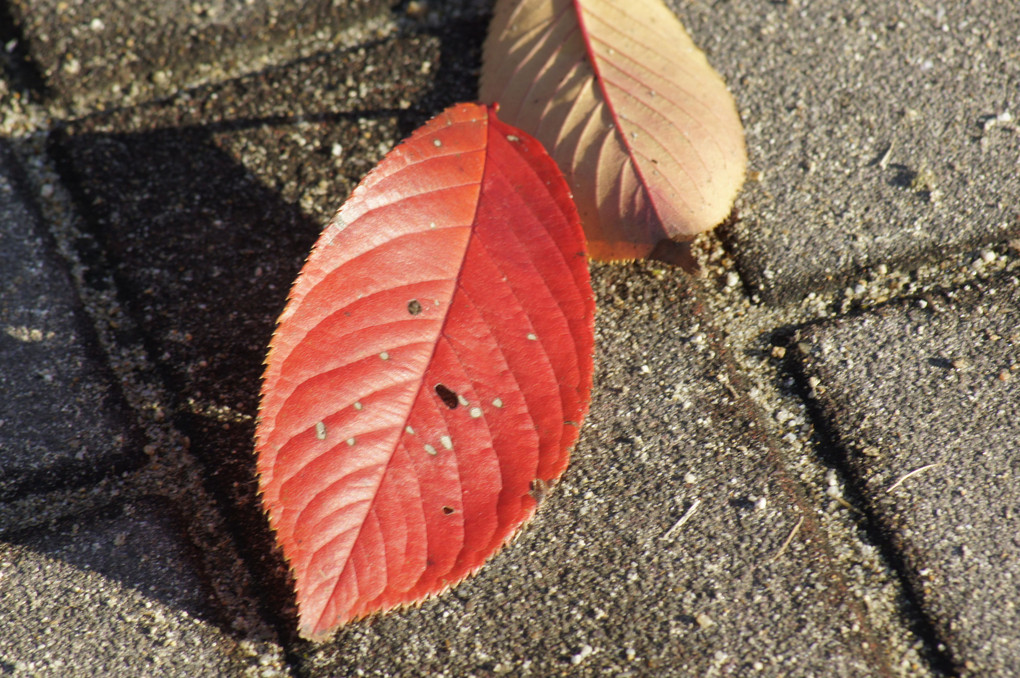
column 801, row 463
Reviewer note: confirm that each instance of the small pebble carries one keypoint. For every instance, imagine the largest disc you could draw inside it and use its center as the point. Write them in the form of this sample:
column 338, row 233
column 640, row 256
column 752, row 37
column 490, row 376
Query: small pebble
column 416, row 9
column 585, row 652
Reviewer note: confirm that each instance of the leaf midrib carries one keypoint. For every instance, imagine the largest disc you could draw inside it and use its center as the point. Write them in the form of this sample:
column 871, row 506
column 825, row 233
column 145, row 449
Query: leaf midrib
column 617, row 127
column 428, row 363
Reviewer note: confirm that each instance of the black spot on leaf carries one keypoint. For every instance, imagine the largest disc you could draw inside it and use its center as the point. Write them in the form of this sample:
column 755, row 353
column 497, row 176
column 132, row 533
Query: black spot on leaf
column 414, row 307
column 448, row 397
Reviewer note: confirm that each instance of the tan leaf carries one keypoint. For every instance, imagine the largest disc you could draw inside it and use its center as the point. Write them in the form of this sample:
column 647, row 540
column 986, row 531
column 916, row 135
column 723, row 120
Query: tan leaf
column 643, row 128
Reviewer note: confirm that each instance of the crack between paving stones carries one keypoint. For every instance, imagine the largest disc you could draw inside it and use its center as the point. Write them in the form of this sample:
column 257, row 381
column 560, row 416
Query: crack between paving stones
column 277, row 615
column 24, row 73
column 831, row 451
column 875, row 654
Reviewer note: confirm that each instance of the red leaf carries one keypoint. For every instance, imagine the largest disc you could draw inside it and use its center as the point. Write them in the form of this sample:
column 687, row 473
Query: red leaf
column 432, row 364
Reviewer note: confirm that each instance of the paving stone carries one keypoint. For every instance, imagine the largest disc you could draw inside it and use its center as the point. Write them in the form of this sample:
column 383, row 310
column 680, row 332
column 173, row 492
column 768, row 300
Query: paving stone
column 110, row 594
column 108, row 50
column 665, row 550
column 138, row 544
column 61, row 419
column 924, row 397
column 884, row 133
column 207, row 205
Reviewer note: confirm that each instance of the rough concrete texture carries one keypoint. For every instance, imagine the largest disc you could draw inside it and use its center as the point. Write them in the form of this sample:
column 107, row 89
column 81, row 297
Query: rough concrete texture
column 107, row 53
column 113, row 593
column 702, row 528
column 924, row 396
column 879, row 133
column 103, row 52
column 62, row 420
